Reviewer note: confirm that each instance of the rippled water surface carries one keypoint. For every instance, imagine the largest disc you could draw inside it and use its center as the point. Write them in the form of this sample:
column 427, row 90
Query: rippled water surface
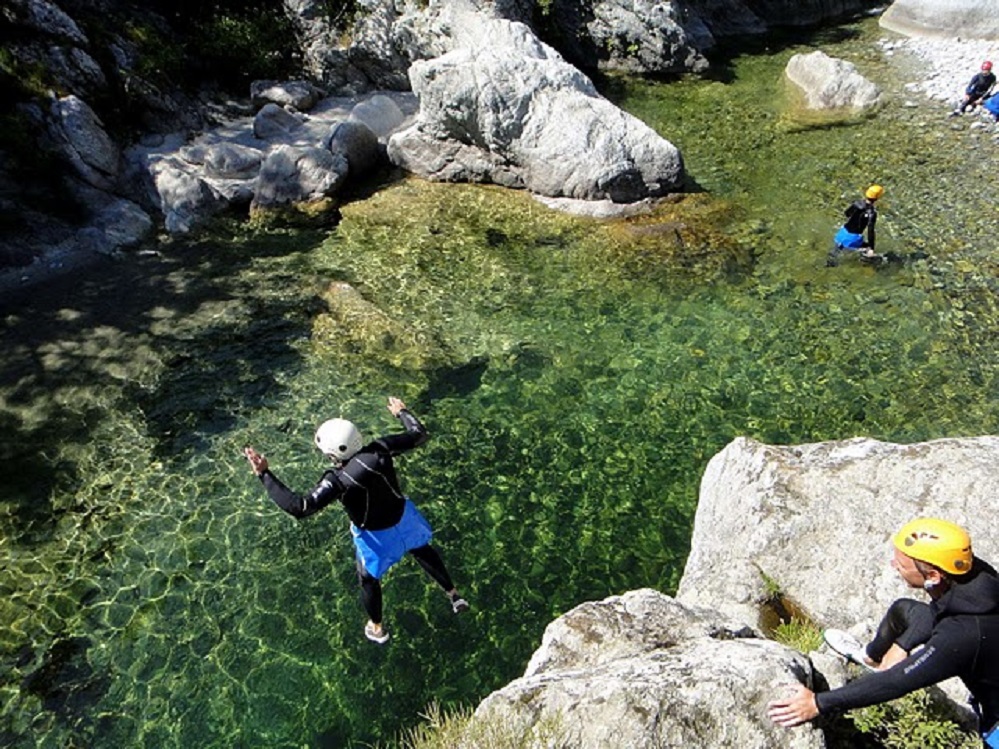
column 576, row 378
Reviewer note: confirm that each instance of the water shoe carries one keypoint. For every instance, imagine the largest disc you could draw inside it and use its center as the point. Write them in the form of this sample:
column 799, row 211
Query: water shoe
column 380, row 636
column 847, row 646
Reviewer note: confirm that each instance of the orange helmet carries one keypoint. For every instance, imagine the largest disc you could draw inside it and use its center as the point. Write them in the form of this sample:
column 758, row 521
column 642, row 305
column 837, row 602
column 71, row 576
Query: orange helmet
column 938, row 542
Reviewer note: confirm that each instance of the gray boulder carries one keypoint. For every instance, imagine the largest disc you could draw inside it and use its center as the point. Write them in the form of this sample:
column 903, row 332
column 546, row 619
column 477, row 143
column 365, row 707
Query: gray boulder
column 301, row 95
column 828, row 506
column 831, row 83
column 356, row 142
column 273, row 121
column 503, row 107
column 84, row 143
column 293, row 174
column 813, row 523
column 48, row 18
column 643, row 671
column 225, row 160
column 381, row 114
column 975, row 19
column 185, row 199
column 638, row 36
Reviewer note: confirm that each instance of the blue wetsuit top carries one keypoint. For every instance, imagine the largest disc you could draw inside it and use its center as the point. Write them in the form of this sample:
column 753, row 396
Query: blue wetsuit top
column 366, row 484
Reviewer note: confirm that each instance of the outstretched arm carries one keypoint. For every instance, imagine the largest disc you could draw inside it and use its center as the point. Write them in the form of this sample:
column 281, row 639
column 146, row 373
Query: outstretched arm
column 300, row 506
column 415, row 435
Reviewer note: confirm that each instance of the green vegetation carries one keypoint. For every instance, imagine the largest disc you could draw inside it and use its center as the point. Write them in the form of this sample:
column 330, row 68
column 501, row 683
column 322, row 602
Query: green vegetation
column 799, row 633
column 913, row 722
column 457, row 729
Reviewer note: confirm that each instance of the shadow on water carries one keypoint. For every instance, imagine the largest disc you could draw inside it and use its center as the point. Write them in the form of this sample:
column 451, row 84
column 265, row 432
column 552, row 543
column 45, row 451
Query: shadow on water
column 62, row 339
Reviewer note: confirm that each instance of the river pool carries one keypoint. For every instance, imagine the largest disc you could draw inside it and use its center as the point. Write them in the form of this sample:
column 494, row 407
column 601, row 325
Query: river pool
column 576, row 377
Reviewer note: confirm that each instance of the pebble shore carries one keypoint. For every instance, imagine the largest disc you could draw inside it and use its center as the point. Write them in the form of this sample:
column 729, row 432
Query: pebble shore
column 950, row 63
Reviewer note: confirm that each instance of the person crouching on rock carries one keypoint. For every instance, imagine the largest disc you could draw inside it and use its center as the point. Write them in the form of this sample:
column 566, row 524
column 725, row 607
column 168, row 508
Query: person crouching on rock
column 384, row 523
column 977, row 90
column 919, row 644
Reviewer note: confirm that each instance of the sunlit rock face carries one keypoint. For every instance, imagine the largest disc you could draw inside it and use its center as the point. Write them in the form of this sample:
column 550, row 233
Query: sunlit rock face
column 503, row 107
column 969, row 19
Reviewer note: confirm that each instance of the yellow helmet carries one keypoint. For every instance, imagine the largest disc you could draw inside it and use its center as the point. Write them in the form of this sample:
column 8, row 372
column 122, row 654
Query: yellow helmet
column 938, row 542
column 874, row 192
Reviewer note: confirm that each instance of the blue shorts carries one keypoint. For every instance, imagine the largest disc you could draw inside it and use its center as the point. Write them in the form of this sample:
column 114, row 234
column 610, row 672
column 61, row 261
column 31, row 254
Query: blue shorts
column 848, row 239
column 379, row 550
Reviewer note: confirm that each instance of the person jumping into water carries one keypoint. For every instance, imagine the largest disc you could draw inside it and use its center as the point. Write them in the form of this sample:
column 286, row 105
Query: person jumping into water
column 860, row 216
column 384, row 522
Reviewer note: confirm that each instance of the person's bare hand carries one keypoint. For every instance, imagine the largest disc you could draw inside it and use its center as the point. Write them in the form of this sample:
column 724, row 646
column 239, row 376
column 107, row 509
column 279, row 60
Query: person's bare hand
column 395, row 405
column 791, row 711
column 257, row 461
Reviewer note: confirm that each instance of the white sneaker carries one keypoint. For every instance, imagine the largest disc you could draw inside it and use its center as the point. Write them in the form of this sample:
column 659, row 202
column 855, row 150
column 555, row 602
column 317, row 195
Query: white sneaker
column 847, row 646
column 376, row 634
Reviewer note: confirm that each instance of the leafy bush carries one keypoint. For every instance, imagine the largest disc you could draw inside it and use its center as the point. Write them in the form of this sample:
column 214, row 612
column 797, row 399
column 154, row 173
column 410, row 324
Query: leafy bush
column 913, row 722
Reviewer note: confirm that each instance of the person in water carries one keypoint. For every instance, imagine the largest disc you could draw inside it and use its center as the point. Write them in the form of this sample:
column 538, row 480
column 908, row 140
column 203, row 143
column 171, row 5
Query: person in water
column 861, row 216
column 918, row 644
column 384, row 522
column 978, row 89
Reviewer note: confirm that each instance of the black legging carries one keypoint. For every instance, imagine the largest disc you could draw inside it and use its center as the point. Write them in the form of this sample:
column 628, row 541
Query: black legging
column 907, row 622
column 371, row 588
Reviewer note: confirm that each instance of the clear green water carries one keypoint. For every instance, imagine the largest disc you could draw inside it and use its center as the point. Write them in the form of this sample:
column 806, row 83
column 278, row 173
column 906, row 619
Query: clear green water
column 576, row 377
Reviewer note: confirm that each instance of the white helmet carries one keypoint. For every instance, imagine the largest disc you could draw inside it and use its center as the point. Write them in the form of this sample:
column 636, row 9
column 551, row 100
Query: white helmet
column 339, row 439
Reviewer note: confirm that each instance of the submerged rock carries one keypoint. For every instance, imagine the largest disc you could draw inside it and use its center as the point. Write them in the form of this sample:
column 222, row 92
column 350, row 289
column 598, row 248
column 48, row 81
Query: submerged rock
column 831, row 83
column 353, row 325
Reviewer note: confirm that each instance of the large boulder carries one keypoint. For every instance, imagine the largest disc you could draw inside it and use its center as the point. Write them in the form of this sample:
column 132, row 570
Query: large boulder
column 831, row 83
column 643, row 671
column 292, row 174
column 300, row 95
column 975, row 19
column 814, row 521
column 84, row 143
column 503, row 107
column 637, row 36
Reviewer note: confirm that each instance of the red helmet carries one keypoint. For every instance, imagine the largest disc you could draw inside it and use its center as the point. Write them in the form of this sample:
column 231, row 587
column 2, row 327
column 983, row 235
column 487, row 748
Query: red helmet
column 986, row 65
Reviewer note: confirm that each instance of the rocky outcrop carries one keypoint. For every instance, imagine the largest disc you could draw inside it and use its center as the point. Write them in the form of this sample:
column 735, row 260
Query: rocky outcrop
column 647, row 36
column 644, row 671
column 789, row 514
column 975, row 19
column 277, row 158
column 502, row 107
column 808, row 524
column 651, row 36
column 830, row 83
column 812, row 524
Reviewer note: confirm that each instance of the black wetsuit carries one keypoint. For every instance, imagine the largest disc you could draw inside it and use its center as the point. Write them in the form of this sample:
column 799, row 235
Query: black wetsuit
column 980, row 85
column 861, row 215
column 367, row 487
column 960, row 637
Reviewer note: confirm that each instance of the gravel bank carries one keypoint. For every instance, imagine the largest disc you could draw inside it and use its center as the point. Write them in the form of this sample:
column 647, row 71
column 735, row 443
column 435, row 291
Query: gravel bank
column 950, row 63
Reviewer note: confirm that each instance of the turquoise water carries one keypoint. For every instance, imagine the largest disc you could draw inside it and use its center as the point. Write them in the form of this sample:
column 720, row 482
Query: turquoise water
column 576, row 378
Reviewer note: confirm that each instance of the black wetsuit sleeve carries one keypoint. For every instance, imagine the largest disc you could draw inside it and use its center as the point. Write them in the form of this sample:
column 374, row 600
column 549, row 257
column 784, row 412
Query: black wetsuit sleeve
column 870, row 228
column 414, row 436
column 326, row 491
column 946, row 654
